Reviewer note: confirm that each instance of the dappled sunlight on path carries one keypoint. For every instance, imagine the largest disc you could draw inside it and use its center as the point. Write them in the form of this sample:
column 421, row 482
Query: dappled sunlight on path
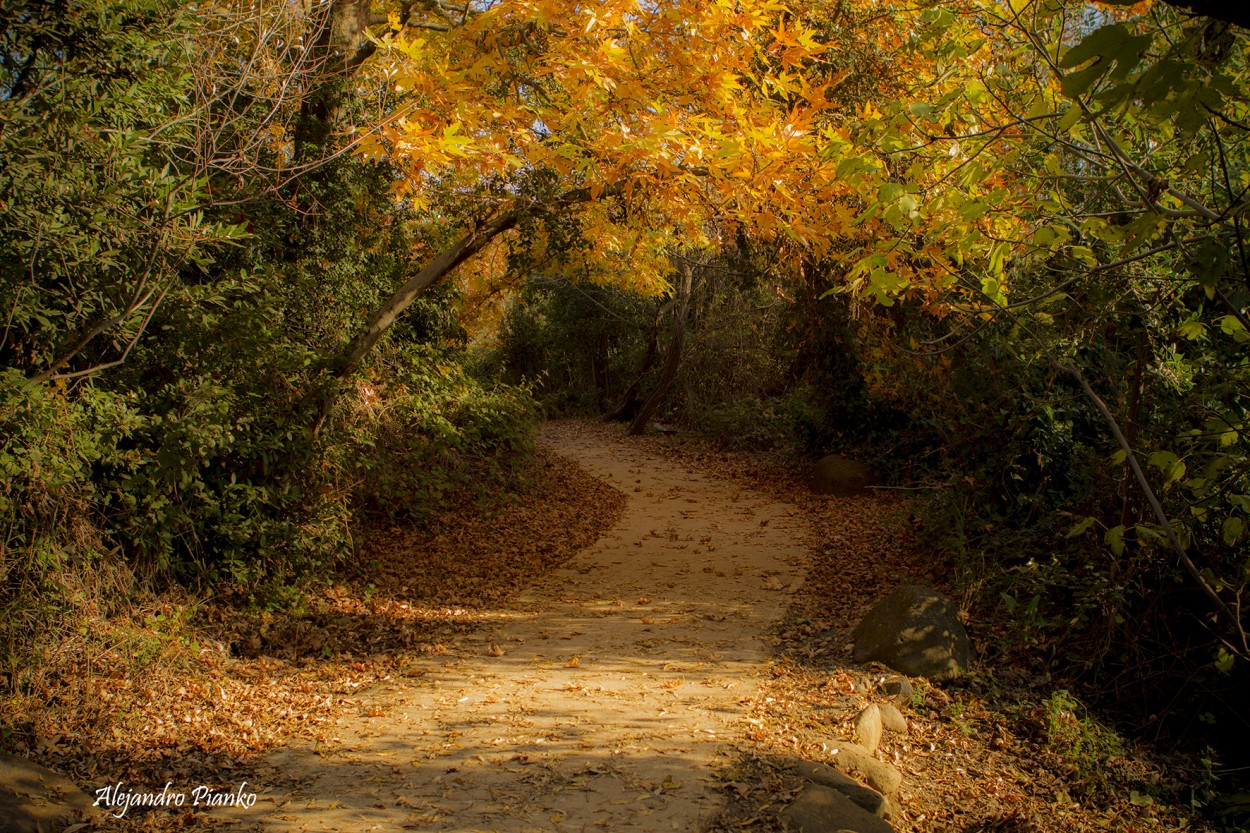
column 606, row 698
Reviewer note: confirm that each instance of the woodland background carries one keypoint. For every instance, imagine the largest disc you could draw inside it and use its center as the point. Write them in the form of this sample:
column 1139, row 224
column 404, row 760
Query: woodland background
column 272, row 271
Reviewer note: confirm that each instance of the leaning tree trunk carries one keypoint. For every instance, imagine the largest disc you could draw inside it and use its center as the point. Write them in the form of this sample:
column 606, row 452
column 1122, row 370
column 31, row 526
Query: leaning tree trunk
column 348, row 360
column 671, row 361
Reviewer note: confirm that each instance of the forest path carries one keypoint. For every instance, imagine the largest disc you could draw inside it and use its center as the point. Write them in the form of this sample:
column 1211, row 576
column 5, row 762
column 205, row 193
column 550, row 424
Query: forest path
column 604, row 698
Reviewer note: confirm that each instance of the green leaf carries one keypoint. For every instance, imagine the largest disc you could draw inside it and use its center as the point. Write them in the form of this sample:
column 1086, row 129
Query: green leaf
column 890, row 191
column 998, row 257
column 1114, row 538
column 1069, row 119
column 973, row 174
column 992, row 291
column 1171, row 466
column 1192, row 330
column 921, row 110
column 1230, row 325
column 1113, row 50
column 1081, row 528
column 1084, row 254
column 1075, row 84
column 1108, row 43
column 973, row 210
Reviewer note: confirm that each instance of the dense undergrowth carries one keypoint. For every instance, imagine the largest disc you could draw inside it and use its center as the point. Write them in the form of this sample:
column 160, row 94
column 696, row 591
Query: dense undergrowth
column 166, row 417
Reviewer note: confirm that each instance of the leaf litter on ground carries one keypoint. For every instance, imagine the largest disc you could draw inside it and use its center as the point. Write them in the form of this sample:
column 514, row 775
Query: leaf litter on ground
column 236, row 683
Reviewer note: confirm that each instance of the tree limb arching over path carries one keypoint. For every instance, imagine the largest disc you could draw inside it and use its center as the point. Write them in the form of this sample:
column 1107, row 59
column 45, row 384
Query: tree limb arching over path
column 607, row 698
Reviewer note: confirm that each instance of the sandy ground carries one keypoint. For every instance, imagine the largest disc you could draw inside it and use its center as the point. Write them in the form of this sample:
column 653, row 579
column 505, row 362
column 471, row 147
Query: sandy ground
column 605, row 698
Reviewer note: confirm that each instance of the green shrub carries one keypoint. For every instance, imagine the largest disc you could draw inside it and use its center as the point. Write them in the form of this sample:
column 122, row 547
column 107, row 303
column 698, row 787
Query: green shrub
column 576, row 345
column 428, row 431
column 1084, row 742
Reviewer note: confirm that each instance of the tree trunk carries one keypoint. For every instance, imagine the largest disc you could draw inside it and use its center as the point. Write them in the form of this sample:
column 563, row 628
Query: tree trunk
column 629, row 400
column 671, row 361
column 470, row 244
column 435, row 270
column 336, row 44
column 600, row 372
column 348, row 361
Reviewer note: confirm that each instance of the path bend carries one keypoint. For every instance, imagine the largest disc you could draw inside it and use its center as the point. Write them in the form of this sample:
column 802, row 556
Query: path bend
column 606, row 697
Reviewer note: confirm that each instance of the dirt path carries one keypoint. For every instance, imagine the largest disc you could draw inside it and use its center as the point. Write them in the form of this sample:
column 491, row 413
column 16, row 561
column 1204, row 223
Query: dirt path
column 604, row 699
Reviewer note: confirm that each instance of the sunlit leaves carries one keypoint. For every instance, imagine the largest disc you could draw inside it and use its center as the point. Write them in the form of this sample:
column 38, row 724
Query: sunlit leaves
column 700, row 112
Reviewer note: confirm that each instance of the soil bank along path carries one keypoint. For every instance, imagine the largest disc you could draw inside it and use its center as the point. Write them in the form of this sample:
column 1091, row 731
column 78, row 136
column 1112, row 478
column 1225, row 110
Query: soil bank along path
column 605, row 698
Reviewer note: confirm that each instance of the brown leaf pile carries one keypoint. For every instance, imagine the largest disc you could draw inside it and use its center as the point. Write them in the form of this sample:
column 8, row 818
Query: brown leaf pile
column 203, row 702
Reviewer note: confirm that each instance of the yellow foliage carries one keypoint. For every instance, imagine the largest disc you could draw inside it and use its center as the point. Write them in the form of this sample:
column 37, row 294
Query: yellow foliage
column 692, row 112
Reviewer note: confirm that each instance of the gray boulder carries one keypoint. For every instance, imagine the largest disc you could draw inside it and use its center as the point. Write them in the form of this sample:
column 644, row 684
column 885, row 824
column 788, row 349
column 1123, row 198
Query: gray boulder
column 916, row 631
column 836, row 475
column 34, row 799
column 821, row 809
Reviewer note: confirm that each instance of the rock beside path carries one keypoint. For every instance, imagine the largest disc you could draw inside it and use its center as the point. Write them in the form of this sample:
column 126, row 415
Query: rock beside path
column 866, row 798
column 855, row 759
column 34, row 799
column 820, row 809
column 916, row 631
column 868, row 727
column 892, row 720
column 898, row 690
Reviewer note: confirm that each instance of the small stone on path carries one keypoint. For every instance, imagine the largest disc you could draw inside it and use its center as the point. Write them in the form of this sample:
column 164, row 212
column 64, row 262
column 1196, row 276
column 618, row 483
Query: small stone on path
column 892, row 719
column 868, row 727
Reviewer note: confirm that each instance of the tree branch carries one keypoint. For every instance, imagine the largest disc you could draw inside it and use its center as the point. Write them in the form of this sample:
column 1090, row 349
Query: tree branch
column 438, row 268
column 1231, row 618
column 1229, row 11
